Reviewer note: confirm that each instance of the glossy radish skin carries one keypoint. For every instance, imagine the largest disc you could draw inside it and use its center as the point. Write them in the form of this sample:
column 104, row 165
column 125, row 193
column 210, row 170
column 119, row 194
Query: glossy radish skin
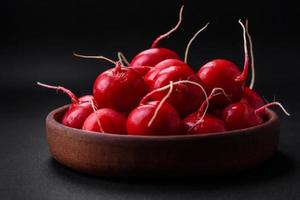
column 152, row 56
column 221, row 73
column 167, row 121
column 252, row 98
column 184, row 98
column 119, row 88
column 142, row 70
column 78, row 112
column 152, row 73
column 240, row 115
column 110, row 121
column 208, row 124
column 76, row 115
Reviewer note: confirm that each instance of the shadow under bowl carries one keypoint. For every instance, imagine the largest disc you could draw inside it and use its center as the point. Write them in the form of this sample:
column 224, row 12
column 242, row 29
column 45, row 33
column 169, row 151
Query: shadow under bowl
column 112, row 155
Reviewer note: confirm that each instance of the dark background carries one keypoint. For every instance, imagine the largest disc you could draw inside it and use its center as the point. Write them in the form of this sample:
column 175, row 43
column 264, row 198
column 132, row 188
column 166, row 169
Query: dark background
column 37, row 41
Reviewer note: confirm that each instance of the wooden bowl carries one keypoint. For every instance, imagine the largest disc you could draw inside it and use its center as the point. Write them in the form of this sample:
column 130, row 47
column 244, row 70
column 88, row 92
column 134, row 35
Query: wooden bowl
column 112, row 155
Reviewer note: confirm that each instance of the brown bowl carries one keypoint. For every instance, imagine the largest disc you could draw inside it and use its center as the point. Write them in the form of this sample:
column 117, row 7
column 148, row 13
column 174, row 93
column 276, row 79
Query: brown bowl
column 105, row 154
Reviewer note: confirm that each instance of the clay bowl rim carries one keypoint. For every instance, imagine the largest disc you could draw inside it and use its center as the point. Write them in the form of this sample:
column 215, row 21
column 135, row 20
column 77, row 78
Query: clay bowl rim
column 51, row 121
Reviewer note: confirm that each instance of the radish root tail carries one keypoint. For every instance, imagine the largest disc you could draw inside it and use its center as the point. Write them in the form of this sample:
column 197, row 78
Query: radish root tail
column 244, row 74
column 161, row 103
column 94, row 57
column 157, row 40
column 259, row 110
column 73, row 97
column 191, row 41
column 251, row 57
column 95, row 111
column 206, row 105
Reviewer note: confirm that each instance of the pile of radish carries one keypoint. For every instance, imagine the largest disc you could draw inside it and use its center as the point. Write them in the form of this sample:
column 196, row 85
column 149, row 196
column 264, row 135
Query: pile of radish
column 158, row 93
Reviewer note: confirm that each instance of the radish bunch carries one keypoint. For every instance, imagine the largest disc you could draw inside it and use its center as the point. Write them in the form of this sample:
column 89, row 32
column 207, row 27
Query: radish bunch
column 158, row 93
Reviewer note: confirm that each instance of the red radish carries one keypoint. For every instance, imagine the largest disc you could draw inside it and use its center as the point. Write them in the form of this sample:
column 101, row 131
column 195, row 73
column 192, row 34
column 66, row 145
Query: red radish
column 105, row 120
column 154, row 118
column 152, row 73
column 252, row 98
column 209, row 124
column 78, row 110
column 119, row 88
column 224, row 74
column 154, row 55
column 241, row 115
column 200, row 122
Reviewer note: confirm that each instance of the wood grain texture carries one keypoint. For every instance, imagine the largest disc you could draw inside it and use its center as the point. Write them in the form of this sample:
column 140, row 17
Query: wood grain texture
column 111, row 155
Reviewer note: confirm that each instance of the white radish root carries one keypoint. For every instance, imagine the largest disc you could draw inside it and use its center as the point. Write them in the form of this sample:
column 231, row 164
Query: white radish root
column 191, row 41
column 251, row 57
column 94, row 57
column 160, row 104
column 97, row 116
column 157, row 40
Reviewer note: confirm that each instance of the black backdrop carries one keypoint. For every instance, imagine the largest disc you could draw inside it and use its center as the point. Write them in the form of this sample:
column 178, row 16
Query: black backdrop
column 37, row 41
